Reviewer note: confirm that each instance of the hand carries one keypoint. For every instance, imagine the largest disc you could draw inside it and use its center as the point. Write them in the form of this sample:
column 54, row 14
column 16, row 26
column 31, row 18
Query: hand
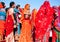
column 15, row 26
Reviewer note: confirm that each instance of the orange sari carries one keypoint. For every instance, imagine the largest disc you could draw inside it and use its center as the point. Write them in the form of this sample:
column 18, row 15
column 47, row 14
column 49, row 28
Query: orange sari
column 34, row 12
column 26, row 30
column 2, row 22
column 26, row 35
column 2, row 27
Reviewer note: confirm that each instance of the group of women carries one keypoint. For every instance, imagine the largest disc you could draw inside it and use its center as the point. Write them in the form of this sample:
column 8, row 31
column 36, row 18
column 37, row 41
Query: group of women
column 30, row 27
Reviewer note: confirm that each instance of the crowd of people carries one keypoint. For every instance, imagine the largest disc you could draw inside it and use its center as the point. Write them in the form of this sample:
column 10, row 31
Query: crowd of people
column 15, row 21
column 20, row 25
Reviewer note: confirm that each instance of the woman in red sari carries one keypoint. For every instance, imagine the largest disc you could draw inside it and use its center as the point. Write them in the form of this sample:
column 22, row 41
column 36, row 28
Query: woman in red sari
column 43, row 23
column 10, row 23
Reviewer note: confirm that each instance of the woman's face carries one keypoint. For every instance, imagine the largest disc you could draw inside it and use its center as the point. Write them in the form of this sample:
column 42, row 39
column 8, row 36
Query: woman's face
column 18, row 8
column 13, row 6
column 27, row 7
column 27, row 16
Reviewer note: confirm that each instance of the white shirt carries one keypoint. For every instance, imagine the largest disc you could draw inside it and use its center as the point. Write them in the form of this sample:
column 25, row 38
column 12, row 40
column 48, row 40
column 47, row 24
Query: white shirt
column 50, row 33
column 11, row 11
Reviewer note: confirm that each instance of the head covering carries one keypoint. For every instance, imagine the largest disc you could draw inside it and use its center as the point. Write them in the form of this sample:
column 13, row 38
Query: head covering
column 27, row 5
column 43, row 20
column 1, row 6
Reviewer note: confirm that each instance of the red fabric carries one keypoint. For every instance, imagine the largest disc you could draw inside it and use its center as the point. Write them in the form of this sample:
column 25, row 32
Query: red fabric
column 21, row 10
column 1, row 5
column 54, row 36
column 22, row 13
column 9, row 25
column 2, row 26
column 43, row 19
column 57, row 20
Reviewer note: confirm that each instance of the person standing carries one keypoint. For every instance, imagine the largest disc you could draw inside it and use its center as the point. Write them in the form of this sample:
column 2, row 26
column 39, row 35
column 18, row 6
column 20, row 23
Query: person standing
column 10, row 23
column 2, row 19
column 26, row 30
column 42, row 25
column 18, row 18
column 34, row 12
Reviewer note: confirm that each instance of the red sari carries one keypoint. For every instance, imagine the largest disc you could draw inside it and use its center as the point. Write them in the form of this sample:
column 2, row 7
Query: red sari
column 9, row 25
column 43, row 21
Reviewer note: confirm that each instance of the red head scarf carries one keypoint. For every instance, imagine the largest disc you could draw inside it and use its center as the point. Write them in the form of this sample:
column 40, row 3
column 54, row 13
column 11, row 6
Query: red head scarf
column 43, row 19
column 1, row 5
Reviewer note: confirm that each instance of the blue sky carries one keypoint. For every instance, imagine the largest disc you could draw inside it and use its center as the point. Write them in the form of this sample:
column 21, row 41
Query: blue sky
column 34, row 3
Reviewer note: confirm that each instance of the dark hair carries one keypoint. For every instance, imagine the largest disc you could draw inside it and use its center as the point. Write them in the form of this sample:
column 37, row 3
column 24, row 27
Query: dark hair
column 6, row 9
column 12, row 3
column 3, row 4
column 17, row 6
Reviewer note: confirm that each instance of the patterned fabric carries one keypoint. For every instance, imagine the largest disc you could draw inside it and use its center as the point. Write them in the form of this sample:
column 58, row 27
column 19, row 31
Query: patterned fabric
column 43, row 20
column 9, row 25
column 57, row 21
column 26, row 35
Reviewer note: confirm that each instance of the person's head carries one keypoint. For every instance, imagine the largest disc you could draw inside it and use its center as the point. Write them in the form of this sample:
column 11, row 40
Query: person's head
column 34, row 11
column 6, row 10
column 27, row 6
column 26, row 16
column 12, row 4
column 18, row 7
column 3, row 4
